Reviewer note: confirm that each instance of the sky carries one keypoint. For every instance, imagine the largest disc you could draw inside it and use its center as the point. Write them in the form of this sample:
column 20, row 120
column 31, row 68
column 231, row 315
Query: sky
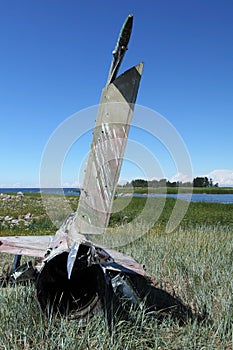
column 54, row 62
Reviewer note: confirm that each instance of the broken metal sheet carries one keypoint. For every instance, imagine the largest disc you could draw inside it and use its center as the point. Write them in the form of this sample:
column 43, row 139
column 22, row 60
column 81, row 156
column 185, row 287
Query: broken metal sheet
column 106, row 155
column 25, row 245
column 126, row 261
column 40, row 246
column 62, row 242
column 124, row 288
column 25, row 272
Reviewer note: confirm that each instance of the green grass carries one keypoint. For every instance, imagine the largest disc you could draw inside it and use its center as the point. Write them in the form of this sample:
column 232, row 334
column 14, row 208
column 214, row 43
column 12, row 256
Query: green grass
column 194, row 262
column 199, row 213
column 174, row 190
column 39, row 224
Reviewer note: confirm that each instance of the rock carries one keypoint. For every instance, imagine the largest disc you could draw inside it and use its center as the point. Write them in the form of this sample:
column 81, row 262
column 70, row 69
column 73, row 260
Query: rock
column 8, row 218
column 27, row 216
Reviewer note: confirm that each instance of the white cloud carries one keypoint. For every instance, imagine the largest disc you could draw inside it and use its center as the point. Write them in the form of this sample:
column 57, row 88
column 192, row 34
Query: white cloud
column 71, row 184
column 11, row 185
column 224, row 177
column 180, row 177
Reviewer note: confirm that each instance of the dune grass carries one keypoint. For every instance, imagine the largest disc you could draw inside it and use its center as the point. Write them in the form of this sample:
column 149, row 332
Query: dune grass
column 194, row 262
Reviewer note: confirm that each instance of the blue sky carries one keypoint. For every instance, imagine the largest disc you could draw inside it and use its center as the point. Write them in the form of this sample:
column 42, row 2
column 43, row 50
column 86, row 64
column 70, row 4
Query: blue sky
column 54, row 62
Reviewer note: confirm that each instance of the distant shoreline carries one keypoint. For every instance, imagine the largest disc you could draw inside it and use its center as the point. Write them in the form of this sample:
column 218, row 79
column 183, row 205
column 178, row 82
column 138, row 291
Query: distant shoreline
column 176, row 190
column 124, row 190
column 49, row 190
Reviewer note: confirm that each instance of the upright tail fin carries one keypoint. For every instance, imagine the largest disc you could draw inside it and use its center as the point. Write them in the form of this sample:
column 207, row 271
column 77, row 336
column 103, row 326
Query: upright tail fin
column 107, row 152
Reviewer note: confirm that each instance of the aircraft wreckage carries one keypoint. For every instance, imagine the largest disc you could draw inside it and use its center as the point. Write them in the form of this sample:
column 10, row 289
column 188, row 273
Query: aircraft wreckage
column 73, row 275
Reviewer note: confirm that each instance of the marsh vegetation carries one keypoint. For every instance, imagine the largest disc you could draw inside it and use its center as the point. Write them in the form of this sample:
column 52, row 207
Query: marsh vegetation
column 194, row 262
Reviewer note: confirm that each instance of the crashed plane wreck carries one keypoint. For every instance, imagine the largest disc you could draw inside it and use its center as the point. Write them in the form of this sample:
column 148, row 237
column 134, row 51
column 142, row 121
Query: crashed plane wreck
column 73, row 275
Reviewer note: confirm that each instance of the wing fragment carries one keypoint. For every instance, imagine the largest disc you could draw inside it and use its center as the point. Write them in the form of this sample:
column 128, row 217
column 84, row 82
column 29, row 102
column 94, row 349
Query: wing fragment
column 25, row 245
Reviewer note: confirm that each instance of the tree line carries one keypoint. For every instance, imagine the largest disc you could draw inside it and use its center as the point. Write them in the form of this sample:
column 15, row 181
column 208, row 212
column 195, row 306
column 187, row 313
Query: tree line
column 197, row 182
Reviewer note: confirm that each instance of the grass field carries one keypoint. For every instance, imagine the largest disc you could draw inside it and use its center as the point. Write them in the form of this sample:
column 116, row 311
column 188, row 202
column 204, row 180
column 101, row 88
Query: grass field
column 174, row 190
column 194, row 262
